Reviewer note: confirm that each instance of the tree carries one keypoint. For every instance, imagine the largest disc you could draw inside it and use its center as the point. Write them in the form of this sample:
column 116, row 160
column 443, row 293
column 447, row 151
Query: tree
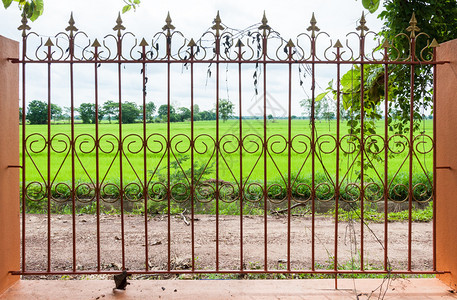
column 31, row 8
column 37, row 112
column 184, row 113
column 34, row 8
column 56, row 112
column 130, row 112
column 436, row 18
column 225, row 109
column 150, row 109
column 110, row 109
column 87, row 113
column 163, row 113
column 20, row 115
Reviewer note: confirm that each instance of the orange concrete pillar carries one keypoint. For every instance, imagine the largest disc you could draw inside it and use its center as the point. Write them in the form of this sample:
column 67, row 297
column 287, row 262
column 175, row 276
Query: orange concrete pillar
column 446, row 156
column 9, row 156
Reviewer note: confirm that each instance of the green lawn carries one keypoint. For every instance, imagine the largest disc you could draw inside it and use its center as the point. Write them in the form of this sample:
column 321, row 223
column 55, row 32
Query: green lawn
column 229, row 158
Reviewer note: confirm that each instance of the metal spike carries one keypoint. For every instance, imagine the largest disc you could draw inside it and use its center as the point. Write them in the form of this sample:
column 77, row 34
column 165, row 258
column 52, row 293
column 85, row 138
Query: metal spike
column 362, row 28
column 290, row 43
column 313, row 28
column 217, row 24
column 96, row 44
column 72, row 28
column 413, row 26
column 338, row 44
column 434, row 44
column 264, row 25
column 119, row 25
column 385, row 44
column 191, row 43
column 49, row 43
column 168, row 26
column 143, row 43
column 239, row 43
column 24, row 27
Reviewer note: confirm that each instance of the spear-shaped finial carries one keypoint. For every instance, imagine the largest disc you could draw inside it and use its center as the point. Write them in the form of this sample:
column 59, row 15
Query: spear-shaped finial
column 71, row 27
column 217, row 24
column 362, row 28
column 264, row 25
column 338, row 44
column 313, row 28
column 434, row 44
column 191, row 43
column 168, row 26
column 143, row 43
column 119, row 25
column 24, row 27
column 239, row 44
column 96, row 44
column 49, row 43
column 413, row 26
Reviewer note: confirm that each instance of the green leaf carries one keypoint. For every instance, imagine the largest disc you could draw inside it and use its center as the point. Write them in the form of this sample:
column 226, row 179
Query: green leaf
column 320, row 96
column 126, row 8
column 7, row 3
column 371, row 5
column 137, row 2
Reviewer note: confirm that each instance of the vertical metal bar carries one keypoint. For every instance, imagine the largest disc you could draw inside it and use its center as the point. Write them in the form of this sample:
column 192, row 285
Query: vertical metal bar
column 24, row 148
column 313, row 152
column 168, row 155
column 73, row 149
column 145, row 170
column 121, row 181
column 362, row 150
column 386, row 157
column 48, row 184
column 97, row 160
column 434, row 158
column 337, row 171
column 411, row 142
column 265, row 149
column 241, row 156
column 289, row 155
column 192, row 148
column 217, row 150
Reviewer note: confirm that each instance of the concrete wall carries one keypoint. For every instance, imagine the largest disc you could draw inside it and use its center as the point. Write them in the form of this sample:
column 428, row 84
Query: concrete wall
column 9, row 155
column 446, row 156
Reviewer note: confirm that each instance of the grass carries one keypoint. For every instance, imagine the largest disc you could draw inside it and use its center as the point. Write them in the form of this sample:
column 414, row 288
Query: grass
column 226, row 163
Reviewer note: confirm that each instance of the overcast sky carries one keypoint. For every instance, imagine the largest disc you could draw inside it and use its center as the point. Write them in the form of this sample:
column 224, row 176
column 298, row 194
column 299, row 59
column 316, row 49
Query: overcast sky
column 192, row 18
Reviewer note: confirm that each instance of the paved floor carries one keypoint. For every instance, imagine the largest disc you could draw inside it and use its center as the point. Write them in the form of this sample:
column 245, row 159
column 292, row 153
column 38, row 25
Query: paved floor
column 232, row 289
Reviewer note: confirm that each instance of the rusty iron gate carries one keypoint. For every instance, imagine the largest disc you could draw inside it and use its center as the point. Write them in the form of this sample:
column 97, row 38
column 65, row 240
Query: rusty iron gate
column 305, row 151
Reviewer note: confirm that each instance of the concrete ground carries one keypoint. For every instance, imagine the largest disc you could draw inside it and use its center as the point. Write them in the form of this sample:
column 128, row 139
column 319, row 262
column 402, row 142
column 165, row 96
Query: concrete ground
column 232, row 289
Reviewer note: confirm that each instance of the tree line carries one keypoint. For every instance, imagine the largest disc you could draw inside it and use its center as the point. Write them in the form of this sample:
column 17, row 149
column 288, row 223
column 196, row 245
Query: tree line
column 38, row 112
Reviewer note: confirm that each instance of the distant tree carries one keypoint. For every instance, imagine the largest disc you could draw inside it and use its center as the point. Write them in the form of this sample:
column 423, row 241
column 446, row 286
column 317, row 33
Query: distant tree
column 207, row 115
column 130, row 112
column 225, row 109
column 66, row 115
column 110, row 109
column 163, row 113
column 184, row 113
column 87, row 113
column 37, row 112
column 196, row 109
column 150, row 109
column 56, row 112
column 20, row 115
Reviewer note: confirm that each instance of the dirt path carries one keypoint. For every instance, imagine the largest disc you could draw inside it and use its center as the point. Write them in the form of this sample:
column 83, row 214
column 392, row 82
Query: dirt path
column 229, row 242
